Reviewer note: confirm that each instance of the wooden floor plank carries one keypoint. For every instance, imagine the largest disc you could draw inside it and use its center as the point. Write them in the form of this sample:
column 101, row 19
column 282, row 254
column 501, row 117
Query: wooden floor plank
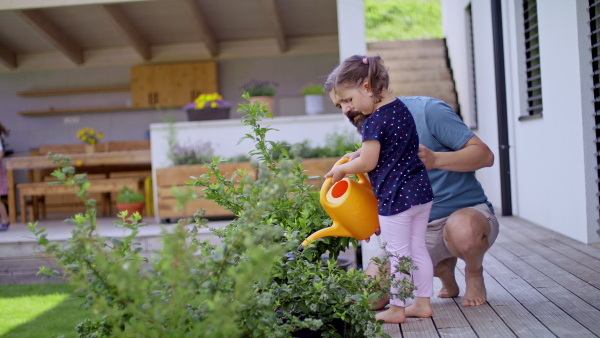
column 539, row 284
column 483, row 319
column 393, row 330
column 518, row 223
column 584, row 254
column 419, row 328
column 575, row 283
column 448, row 317
column 514, row 314
column 549, row 313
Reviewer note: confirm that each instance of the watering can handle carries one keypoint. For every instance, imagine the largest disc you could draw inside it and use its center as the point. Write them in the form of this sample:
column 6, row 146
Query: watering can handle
column 325, row 187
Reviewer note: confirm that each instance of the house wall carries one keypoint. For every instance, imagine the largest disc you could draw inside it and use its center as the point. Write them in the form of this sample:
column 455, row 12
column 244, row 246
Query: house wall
column 552, row 158
column 291, row 72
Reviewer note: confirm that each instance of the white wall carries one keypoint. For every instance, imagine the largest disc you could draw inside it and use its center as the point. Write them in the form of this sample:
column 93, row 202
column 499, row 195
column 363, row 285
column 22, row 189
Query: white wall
column 453, row 22
column 551, row 157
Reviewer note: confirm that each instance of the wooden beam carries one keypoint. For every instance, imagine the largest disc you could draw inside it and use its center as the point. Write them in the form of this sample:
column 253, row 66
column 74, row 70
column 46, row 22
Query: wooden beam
column 8, row 58
column 273, row 15
column 205, row 31
column 14, row 5
column 36, row 19
column 124, row 25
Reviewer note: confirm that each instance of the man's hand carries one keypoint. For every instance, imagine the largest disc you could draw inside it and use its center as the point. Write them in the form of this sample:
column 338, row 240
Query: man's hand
column 427, row 157
column 472, row 156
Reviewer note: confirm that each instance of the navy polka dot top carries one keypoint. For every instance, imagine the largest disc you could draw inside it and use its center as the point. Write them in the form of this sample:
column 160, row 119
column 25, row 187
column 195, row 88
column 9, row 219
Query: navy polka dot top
column 400, row 179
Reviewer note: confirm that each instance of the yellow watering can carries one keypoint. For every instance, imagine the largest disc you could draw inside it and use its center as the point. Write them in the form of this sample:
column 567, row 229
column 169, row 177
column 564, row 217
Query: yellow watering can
column 351, row 205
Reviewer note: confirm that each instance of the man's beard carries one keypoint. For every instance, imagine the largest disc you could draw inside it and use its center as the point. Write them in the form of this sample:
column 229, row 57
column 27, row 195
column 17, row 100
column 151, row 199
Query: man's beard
column 357, row 121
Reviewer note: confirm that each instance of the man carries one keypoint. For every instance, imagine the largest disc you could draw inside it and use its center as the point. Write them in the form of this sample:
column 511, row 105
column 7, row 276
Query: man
column 462, row 222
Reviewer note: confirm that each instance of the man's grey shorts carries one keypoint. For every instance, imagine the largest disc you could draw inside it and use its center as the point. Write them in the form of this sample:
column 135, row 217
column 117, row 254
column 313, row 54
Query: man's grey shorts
column 436, row 244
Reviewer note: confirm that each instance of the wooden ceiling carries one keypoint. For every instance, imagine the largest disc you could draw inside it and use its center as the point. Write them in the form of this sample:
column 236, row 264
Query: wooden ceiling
column 50, row 34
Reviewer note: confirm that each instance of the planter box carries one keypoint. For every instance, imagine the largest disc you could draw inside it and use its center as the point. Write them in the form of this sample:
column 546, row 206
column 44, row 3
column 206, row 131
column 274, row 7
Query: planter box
column 208, row 114
column 168, row 177
column 318, row 167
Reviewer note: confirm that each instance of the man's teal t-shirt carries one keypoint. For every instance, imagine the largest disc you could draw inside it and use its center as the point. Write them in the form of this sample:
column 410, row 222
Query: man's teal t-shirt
column 441, row 129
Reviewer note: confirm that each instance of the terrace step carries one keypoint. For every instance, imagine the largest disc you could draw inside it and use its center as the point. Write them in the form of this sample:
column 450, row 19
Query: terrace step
column 418, row 67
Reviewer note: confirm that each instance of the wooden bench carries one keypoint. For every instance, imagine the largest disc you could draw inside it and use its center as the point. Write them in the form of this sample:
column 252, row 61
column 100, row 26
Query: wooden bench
column 104, row 186
column 71, row 203
column 176, row 176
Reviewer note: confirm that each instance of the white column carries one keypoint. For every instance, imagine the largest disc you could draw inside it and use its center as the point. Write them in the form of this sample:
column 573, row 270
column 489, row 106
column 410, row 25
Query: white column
column 351, row 39
column 351, row 28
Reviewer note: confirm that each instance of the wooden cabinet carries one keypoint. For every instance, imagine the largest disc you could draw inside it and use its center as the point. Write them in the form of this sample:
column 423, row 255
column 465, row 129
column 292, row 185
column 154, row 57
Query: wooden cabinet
column 172, row 85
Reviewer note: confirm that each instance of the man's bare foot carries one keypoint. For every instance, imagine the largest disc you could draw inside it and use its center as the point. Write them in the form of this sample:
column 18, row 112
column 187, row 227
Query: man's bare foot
column 393, row 315
column 380, row 303
column 450, row 291
column 475, row 294
column 421, row 307
column 444, row 270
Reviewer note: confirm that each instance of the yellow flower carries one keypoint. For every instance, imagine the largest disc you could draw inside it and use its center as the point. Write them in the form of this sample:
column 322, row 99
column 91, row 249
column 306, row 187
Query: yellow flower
column 89, row 135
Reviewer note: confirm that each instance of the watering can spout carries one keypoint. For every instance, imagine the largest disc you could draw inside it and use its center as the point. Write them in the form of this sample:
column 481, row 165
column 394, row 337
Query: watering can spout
column 334, row 230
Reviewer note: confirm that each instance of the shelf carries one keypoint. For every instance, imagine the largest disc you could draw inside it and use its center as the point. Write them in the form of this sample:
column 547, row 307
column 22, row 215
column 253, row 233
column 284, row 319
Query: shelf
column 78, row 111
column 75, row 91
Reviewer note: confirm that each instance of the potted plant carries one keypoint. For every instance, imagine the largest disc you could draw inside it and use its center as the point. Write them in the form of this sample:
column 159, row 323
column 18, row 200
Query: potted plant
column 209, row 106
column 261, row 91
column 90, row 138
column 130, row 202
column 313, row 99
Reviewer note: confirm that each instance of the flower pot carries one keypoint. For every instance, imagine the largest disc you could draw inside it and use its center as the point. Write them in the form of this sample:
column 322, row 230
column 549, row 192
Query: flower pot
column 131, row 208
column 220, row 113
column 264, row 100
column 89, row 148
column 313, row 104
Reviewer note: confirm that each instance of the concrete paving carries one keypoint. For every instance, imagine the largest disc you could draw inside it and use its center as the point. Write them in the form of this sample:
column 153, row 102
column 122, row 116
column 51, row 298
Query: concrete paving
column 20, row 257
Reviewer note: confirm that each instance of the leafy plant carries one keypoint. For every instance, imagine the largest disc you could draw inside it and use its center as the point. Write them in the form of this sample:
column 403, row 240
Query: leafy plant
column 336, row 145
column 199, row 153
column 260, row 88
column 254, row 283
column 303, row 290
column 313, row 90
column 127, row 195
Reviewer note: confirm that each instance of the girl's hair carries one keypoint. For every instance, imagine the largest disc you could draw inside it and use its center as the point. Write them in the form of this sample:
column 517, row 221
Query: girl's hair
column 357, row 69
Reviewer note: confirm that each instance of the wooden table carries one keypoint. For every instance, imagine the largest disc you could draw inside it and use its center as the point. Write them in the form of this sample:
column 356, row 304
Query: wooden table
column 42, row 162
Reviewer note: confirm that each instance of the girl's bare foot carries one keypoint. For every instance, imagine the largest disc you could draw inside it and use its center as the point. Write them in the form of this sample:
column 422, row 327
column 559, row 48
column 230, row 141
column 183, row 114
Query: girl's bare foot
column 421, row 307
column 380, row 303
column 394, row 315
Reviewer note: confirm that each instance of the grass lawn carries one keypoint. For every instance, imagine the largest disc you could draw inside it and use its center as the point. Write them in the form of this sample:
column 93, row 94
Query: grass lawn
column 39, row 310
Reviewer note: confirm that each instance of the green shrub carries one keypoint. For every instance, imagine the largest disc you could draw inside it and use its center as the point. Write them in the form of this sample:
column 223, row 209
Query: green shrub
column 255, row 283
column 403, row 19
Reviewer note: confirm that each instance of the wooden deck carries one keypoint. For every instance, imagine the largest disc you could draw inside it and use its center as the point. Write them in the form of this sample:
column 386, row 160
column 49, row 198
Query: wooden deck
column 539, row 284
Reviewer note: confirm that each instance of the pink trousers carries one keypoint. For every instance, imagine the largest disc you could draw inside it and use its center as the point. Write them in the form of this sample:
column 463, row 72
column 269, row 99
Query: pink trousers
column 404, row 234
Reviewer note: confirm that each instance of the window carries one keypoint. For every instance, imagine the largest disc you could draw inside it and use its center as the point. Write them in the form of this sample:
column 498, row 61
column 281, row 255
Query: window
column 471, row 68
column 594, row 11
column 532, row 58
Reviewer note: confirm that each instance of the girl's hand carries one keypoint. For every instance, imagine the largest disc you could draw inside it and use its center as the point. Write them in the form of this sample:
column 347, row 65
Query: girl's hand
column 352, row 155
column 336, row 173
column 377, row 232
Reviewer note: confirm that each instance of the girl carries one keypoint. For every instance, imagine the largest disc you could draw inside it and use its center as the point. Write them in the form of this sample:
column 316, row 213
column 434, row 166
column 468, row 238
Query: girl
column 359, row 86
